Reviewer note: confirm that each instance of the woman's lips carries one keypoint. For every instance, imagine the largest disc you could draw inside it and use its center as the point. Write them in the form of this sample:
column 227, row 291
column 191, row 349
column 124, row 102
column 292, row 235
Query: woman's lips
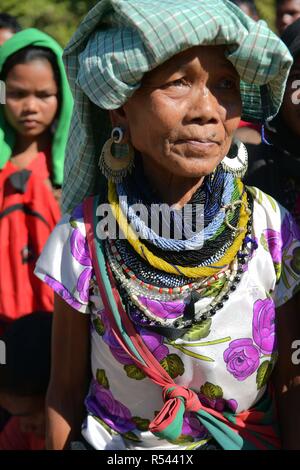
column 201, row 142
column 29, row 124
column 198, row 144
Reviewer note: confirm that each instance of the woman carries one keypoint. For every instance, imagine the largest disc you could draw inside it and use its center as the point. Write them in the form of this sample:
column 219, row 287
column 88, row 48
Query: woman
column 34, row 124
column 181, row 328
column 275, row 164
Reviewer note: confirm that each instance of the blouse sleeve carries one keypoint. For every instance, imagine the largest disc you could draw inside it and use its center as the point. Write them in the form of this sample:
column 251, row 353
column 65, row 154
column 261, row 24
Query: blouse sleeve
column 279, row 236
column 289, row 269
column 65, row 264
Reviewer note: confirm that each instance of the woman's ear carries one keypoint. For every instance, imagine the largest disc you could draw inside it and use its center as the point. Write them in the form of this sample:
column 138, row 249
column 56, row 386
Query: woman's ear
column 119, row 119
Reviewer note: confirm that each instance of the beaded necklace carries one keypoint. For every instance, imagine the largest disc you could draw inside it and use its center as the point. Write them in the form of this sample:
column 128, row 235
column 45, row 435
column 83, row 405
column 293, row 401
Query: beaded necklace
column 130, row 281
column 175, row 327
column 146, row 273
column 212, row 267
column 149, row 270
column 193, row 243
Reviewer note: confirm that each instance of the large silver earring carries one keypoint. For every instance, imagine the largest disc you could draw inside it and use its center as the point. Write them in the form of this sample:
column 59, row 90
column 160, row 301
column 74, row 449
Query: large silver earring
column 116, row 159
column 239, row 163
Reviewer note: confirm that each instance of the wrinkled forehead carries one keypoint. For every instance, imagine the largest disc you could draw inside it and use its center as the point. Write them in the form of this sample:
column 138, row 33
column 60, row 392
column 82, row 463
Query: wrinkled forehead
column 208, row 58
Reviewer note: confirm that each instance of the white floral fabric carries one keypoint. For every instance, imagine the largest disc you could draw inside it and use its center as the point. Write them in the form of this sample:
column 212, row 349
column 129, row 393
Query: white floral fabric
column 226, row 359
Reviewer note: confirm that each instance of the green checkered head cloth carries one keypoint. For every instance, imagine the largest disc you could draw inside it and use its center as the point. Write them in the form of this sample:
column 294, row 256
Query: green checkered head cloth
column 120, row 40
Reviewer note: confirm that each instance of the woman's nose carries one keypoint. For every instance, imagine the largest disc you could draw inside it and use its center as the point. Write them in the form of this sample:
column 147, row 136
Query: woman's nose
column 204, row 107
column 30, row 104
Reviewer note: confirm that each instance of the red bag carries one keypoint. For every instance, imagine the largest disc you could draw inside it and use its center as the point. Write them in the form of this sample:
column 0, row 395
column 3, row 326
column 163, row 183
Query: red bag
column 28, row 214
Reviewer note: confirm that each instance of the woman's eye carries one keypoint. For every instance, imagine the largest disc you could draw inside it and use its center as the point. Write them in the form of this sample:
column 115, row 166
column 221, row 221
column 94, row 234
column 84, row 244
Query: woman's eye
column 43, row 96
column 16, row 94
column 181, row 82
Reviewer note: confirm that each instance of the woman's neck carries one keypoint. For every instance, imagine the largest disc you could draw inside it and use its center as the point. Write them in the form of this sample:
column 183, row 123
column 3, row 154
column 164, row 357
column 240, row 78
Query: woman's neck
column 172, row 189
column 27, row 148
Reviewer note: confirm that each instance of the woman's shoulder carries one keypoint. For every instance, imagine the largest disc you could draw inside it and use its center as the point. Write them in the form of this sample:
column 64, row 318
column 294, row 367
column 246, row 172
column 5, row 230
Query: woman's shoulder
column 65, row 263
column 278, row 238
column 70, row 221
column 267, row 212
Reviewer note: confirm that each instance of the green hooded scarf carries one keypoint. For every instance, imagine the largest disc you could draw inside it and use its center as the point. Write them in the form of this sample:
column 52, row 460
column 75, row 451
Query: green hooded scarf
column 34, row 37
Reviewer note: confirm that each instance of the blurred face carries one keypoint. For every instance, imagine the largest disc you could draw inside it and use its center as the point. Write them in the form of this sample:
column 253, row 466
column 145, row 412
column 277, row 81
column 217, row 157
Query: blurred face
column 30, row 410
column 31, row 98
column 247, row 10
column 5, row 34
column 290, row 109
column 287, row 13
column 183, row 117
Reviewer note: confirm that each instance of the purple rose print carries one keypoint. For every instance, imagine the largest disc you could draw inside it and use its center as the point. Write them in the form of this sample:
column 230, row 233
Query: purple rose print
column 79, row 248
column 164, row 309
column 101, row 403
column 263, row 325
column 80, row 251
column 289, row 230
column 218, row 404
column 274, row 243
column 152, row 340
column 192, row 427
column 242, row 358
column 116, row 349
column 232, row 405
column 62, row 292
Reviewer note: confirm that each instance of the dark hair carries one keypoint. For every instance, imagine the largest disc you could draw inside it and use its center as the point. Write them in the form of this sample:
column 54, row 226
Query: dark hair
column 250, row 4
column 27, row 341
column 9, row 22
column 28, row 54
column 279, row 2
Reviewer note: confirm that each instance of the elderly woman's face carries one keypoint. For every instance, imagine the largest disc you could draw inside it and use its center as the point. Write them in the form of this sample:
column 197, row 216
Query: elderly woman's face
column 185, row 113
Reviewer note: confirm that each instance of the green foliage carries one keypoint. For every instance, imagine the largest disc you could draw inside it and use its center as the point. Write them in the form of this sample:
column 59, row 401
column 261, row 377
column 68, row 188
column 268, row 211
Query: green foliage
column 263, row 374
column 266, row 10
column 133, row 372
column 199, row 331
column 173, row 365
column 58, row 18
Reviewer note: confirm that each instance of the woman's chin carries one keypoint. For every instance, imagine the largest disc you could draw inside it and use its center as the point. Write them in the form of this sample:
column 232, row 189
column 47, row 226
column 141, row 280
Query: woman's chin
column 194, row 167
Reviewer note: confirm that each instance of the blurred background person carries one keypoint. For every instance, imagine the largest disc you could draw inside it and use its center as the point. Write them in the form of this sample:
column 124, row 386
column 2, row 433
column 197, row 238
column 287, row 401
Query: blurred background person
column 274, row 165
column 8, row 27
column 248, row 132
column 248, row 7
column 287, row 11
column 34, row 125
column 24, row 381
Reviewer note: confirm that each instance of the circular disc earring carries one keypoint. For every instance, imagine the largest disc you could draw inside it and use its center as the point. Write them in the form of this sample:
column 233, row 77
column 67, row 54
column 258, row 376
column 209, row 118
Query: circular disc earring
column 116, row 159
column 239, row 164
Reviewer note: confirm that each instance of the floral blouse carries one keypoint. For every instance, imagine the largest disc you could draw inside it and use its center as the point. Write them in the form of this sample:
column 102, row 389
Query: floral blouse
column 226, row 359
